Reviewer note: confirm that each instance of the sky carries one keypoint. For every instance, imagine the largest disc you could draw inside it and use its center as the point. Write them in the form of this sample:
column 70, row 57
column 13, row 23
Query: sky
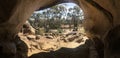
column 68, row 5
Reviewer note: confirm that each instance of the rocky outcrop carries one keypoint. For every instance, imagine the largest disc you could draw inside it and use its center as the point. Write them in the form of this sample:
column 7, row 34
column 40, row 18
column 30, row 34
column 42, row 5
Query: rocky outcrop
column 27, row 29
column 100, row 15
column 83, row 51
column 15, row 49
column 112, row 40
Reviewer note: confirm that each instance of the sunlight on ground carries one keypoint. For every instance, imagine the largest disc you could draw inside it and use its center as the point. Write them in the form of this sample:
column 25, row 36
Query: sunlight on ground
column 54, row 28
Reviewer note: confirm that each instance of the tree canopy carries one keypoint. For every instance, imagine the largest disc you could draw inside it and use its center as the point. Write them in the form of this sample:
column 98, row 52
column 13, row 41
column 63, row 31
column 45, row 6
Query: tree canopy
column 57, row 15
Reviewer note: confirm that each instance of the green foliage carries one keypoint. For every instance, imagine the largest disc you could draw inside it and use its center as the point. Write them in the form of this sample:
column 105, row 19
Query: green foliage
column 54, row 17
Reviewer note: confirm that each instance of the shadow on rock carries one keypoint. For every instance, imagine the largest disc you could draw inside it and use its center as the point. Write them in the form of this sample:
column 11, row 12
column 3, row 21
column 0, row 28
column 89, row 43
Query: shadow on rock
column 82, row 51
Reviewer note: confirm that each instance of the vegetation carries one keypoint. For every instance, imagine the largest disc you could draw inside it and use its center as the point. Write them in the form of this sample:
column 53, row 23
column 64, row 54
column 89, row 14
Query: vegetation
column 56, row 17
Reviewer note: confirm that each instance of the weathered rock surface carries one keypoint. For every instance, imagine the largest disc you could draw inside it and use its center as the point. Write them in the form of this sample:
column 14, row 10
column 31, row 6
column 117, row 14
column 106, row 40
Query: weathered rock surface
column 71, row 46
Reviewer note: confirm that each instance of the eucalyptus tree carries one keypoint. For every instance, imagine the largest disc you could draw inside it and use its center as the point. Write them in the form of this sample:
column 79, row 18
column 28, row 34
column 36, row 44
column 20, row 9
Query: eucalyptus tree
column 75, row 15
column 57, row 15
